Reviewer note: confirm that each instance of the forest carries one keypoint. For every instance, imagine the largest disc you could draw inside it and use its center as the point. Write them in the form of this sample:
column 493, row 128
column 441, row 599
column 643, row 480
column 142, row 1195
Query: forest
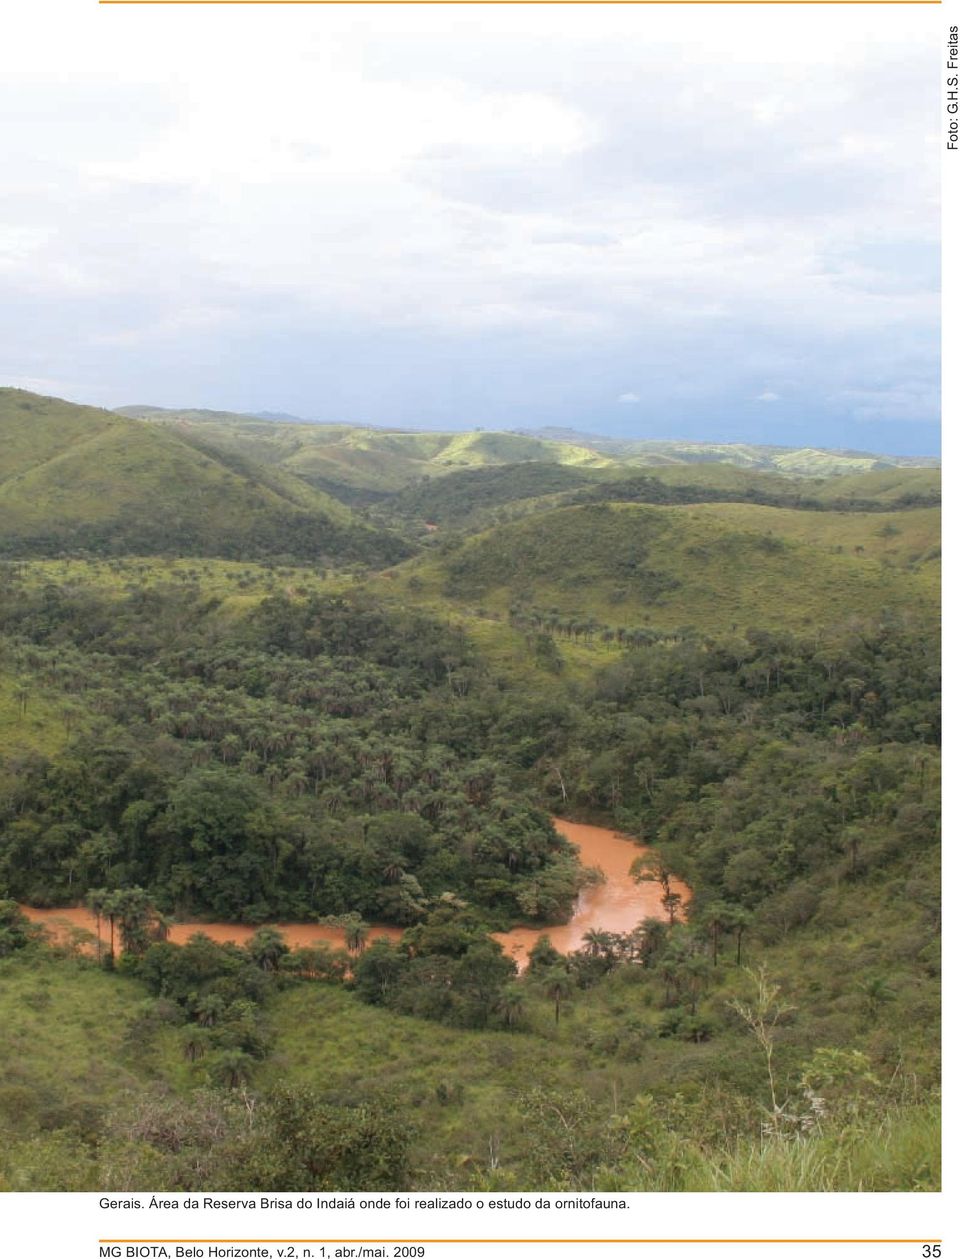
column 234, row 739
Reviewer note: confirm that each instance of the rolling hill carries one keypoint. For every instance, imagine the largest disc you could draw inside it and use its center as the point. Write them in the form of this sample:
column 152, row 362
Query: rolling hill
column 470, row 497
column 363, row 465
column 715, row 567
column 358, row 463
column 75, row 478
column 790, row 461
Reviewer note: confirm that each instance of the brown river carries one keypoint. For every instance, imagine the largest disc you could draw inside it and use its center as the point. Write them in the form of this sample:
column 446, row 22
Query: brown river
column 617, row 904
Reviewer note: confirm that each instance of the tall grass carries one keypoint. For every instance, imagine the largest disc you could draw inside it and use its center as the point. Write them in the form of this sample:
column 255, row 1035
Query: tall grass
column 899, row 1154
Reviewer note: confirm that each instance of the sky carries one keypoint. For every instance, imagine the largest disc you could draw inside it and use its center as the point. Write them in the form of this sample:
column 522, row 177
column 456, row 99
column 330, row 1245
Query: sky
column 715, row 225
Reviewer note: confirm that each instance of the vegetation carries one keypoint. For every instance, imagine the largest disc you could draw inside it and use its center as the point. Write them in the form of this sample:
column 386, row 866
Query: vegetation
column 367, row 465
column 737, row 668
column 720, row 569
column 79, row 480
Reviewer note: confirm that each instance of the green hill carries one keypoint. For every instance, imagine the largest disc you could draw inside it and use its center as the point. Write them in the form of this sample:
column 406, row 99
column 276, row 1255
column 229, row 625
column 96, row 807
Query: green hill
column 361, row 464
column 709, row 566
column 358, row 462
column 75, row 478
column 470, row 497
column 463, row 493
column 805, row 462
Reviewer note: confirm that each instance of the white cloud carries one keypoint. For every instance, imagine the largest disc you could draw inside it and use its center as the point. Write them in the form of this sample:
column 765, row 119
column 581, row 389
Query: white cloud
column 457, row 173
column 768, row 396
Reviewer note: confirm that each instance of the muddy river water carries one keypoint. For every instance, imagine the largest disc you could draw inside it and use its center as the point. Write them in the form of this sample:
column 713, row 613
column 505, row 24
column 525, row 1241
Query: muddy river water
column 617, row 904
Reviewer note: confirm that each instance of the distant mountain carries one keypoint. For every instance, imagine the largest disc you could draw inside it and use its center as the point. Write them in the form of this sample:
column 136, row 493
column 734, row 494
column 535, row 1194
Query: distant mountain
column 807, row 461
column 78, row 478
column 281, row 417
column 364, row 464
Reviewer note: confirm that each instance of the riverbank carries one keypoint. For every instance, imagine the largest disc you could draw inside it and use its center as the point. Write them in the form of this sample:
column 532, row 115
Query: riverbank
column 617, row 904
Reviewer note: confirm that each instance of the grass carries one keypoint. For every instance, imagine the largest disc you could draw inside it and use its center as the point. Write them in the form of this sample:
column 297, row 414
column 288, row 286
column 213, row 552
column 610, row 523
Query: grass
column 898, row 1154
column 718, row 568
column 76, row 477
column 32, row 721
column 75, row 1043
column 349, row 459
column 63, row 1040
column 903, row 538
column 223, row 579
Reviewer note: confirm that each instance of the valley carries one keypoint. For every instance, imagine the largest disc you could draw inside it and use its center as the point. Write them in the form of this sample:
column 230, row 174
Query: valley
column 369, row 709
column 616, row 904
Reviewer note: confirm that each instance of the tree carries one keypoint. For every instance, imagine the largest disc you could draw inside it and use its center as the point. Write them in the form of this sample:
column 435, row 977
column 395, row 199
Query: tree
column 718, row 917
column 649, row 868
column 671, row 901
column 377, row 971
column 558, row 985
column 877, row 992
column 355, row 935
column 511, row 1005
column 134, row 911
column 230, row 1067
column 479, row 977
column 96, row 903
column 16, row 930
column 306, row 1144
column 267, row 948
column 543, row 956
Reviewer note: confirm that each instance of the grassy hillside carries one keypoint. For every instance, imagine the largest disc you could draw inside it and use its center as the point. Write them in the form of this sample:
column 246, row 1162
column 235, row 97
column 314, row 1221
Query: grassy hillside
column 886, row 485
column 478, row 497
column 80, row 479
column 362, row 464
column 456, row 497
column 712, row 566
column 806, row 462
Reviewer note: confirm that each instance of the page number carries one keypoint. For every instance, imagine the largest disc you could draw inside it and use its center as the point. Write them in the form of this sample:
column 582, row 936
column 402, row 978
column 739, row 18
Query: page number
column 930, row 1251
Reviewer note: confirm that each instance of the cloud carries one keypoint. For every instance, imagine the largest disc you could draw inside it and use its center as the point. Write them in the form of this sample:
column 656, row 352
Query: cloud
column 768, row 396
column 459, row 189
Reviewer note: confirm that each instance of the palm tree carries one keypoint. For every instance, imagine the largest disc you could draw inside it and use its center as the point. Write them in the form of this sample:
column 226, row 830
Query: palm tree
column 267, row 948
column 231, row 1067
column 393, row 871
column 135, row 912
column 195, row 1042
column 208, row 1009
column 96, row 903
column 355, row 936
column 559, row 987
column 112, row 906
column 511, row 1005
column 739, row 919
column 877, row 993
